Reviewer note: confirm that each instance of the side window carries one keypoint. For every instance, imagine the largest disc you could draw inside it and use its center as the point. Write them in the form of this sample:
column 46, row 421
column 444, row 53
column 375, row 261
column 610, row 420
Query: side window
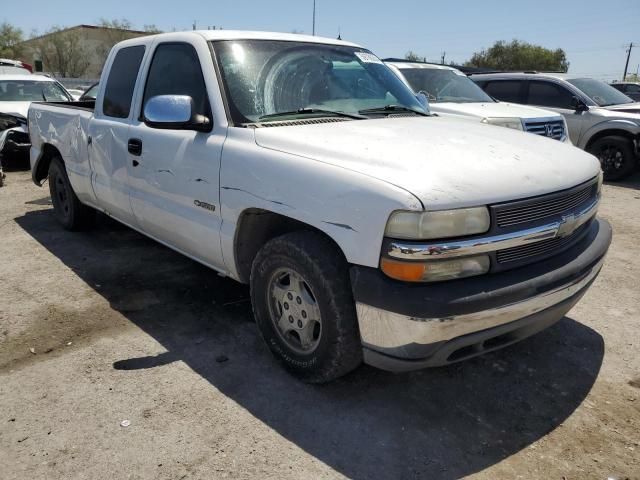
column 547, row 94
column 175, row 70
column 632, row 89
column 505, row 90
column 121, row 82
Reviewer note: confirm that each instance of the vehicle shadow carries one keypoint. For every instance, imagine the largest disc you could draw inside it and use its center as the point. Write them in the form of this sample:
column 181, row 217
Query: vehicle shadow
column 439, row 423
column 632, row 181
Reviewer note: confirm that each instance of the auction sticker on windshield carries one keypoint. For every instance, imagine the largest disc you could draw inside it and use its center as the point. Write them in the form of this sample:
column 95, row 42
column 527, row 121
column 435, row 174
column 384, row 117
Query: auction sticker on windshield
column 367, row 57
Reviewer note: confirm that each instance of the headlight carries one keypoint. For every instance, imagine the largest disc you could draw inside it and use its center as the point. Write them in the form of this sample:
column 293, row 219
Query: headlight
column 514, row 123
column 436, row 270
column 439, row 224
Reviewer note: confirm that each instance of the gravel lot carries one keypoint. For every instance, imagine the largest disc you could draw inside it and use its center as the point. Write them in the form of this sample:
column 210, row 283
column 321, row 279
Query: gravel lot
column 106, row 326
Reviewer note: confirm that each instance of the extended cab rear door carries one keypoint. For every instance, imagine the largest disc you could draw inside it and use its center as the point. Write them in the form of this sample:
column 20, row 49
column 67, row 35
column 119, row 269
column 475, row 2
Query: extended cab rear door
column 174, row 175
column 109, row 131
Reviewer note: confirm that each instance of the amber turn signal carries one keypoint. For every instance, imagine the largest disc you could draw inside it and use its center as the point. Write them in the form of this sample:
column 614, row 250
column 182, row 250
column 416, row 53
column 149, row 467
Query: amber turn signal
column 406, row 271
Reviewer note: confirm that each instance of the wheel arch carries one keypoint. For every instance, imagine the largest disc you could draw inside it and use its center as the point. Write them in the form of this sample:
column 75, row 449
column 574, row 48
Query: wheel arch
column 618, row 131
column 41, row 168
column 255, row 227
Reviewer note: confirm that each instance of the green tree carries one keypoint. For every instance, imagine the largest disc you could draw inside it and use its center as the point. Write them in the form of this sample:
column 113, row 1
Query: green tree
column 63, row 53
column 519, row 55
column 414, row 57
column 10, row 41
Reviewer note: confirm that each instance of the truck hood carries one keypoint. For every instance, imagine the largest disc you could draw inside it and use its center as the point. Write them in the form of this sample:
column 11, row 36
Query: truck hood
column 492, row 109
column 444, row 162
column 15, row 108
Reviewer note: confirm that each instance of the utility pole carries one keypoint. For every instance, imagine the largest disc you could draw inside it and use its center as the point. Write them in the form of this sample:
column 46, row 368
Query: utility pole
column 444, row 54
column 626, row 65
column 313, row 28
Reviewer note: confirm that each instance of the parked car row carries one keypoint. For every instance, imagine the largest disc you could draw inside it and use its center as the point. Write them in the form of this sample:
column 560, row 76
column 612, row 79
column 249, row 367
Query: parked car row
column 451, row 92
column 18, row 89
column 601, row 119
column 630, row 89
column 368, row 226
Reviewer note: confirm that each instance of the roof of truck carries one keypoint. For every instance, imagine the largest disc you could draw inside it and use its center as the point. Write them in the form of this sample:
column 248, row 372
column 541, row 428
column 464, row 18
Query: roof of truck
column 244, row 35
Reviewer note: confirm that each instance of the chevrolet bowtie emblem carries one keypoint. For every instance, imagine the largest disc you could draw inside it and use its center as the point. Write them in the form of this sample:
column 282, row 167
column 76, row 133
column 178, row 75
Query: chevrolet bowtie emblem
column 567, row 225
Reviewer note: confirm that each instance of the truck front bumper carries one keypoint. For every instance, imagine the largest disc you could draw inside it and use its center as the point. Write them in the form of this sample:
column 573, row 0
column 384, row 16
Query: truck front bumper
column 410, row 326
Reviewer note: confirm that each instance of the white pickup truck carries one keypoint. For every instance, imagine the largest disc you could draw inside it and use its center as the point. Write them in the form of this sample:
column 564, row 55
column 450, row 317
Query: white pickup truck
column 366, row 228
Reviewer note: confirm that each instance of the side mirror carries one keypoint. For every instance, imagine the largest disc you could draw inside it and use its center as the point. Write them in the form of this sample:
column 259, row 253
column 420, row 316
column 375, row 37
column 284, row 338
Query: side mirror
column 423, row 99
column 174, row 112
column 578, row 105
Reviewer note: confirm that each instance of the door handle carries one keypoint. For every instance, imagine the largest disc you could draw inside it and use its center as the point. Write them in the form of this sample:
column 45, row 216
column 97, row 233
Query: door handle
column 135, row 146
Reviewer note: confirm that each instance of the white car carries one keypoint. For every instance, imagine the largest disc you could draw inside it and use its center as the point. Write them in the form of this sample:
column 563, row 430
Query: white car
column 451, row 92
column 16, row 94
column 367, row 229
column 14, row 67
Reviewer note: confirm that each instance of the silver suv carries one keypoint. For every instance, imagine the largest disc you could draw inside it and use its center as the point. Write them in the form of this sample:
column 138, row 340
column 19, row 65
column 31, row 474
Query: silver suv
column 601, row 120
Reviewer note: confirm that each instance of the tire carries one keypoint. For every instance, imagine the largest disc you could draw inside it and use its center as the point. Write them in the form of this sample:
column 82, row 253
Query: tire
column 308, row 272
column 616, row 155
column 67, row 209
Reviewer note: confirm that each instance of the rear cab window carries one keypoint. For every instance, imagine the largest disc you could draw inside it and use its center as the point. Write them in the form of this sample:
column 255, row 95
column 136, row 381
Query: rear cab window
column 118, row 92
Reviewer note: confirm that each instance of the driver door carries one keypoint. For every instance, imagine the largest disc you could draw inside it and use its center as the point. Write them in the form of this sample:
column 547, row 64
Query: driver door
column 174, row 173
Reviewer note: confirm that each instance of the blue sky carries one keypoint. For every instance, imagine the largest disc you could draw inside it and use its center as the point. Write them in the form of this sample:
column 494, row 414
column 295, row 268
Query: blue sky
column 592, row 32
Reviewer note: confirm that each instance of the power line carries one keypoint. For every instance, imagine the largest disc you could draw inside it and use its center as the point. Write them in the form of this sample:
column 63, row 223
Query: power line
column 626, row 65
column 313, row 31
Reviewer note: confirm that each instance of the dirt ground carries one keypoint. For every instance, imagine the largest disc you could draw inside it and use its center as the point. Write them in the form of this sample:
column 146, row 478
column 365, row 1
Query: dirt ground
column 105, row 326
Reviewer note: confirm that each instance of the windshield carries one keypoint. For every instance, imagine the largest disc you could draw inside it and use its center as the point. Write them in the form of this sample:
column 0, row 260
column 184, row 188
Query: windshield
column 444, row 85
column 31, row 91
column 600, row 92
column 265, row 77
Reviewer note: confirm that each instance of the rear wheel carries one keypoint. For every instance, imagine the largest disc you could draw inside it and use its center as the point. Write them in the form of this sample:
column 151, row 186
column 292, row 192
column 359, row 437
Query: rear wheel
column 616, row 156
column 67, row 209
column 304, row 308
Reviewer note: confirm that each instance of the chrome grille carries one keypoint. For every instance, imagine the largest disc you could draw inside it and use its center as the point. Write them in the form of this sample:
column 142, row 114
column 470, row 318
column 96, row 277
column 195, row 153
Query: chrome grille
column 553, row 129
column 545, row 207
column 545, row 247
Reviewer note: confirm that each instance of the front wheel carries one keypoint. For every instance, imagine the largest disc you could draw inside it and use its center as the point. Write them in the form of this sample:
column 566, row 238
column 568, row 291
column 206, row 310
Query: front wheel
column 67, row 209
column 616, row 156
column 304, row 308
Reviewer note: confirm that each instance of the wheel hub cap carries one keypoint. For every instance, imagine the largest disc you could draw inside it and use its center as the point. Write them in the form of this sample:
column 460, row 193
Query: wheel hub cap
column 294, row 311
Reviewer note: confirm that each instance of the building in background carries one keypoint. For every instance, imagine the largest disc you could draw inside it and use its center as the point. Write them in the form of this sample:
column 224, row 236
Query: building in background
column 74, row 52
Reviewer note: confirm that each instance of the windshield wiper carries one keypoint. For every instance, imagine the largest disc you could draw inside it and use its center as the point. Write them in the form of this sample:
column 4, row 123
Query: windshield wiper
column 392, row 109
column 311, row 111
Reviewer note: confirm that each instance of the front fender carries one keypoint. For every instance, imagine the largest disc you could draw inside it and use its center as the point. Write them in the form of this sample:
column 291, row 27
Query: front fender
column 617, row 124
column 349, row 207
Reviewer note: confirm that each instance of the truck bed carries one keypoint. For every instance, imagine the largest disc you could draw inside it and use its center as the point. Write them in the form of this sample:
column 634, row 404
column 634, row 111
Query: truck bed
column 88, row 105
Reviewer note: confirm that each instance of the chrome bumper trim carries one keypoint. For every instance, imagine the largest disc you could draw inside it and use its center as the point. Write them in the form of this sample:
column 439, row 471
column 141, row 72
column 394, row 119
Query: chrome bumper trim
column 391, row 332
column 459, row 248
